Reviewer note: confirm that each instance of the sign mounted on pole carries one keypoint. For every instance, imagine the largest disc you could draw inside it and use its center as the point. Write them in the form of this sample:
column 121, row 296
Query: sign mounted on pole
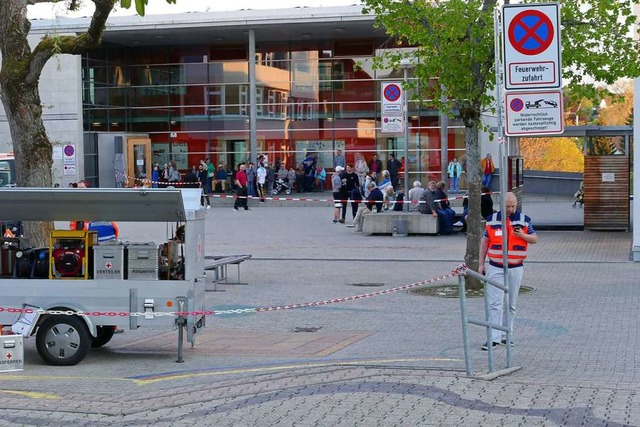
column 393, row 118
column 534, row 113
column 391, row 98
column 531, row 46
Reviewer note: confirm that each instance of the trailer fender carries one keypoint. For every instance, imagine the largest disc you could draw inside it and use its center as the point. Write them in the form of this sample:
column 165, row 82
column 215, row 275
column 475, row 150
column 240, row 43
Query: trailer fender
column 91, row 326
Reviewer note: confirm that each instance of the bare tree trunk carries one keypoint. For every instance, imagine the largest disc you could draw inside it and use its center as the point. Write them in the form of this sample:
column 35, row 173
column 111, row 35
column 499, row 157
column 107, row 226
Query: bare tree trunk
column 474, row 183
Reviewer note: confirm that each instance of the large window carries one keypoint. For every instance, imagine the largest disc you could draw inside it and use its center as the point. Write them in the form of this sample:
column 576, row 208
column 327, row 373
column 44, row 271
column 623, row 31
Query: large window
column 194, row 102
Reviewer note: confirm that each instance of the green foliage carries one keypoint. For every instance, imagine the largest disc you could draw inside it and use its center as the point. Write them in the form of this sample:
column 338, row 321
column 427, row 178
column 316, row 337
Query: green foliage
column 454, row 42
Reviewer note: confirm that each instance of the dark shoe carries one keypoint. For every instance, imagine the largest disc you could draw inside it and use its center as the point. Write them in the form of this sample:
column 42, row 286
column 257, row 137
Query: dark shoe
column 341, row 221
column 485, row 347
column 504, row 342
column 335, row 221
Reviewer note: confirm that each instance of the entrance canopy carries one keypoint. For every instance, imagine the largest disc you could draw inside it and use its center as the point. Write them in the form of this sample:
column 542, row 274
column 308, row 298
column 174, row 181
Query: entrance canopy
column 100, row 204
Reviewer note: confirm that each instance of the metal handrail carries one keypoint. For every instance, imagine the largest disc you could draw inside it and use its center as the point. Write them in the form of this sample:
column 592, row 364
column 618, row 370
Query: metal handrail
column 487, row 324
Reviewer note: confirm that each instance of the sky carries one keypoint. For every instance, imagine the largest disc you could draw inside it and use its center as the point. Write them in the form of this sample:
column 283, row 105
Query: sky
column 157, row 7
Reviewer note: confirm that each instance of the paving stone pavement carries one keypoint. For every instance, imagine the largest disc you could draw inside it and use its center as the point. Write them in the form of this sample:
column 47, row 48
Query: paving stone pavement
column 576, row 336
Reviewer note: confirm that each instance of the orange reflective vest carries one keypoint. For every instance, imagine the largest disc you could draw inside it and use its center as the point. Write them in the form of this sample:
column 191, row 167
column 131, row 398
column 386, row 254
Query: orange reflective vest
column 78, row 225
column 517, row 250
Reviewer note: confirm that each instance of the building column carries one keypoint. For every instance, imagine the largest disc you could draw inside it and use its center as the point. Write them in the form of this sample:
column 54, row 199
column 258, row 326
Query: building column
column 253, row 103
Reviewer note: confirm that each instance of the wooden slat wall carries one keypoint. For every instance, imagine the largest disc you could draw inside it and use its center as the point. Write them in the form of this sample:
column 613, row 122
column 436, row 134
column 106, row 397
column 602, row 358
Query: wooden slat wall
column 606, row 204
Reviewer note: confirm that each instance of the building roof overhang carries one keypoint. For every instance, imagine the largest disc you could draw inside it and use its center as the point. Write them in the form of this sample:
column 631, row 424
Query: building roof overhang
column 271, row 25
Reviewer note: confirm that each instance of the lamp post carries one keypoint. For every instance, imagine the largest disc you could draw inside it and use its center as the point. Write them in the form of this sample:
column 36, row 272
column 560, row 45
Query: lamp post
column 406, row 64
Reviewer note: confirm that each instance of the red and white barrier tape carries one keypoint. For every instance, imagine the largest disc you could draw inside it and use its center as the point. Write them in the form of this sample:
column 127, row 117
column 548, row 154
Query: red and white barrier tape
column 295, row 199
column 455, row 272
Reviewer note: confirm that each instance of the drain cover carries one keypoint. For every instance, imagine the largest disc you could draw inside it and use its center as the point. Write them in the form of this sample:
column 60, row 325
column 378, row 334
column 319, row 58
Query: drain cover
column 368, row 284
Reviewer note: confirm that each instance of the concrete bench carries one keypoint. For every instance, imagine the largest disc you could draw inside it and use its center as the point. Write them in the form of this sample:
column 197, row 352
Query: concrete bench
column 384, row 222
column 218, row 264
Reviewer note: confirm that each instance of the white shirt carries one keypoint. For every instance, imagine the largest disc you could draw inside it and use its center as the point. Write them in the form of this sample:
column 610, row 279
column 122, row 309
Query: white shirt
column 262, row 175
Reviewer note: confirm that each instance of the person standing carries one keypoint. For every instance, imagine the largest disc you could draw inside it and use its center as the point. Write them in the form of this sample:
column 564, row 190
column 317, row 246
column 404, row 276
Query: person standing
column 211, row 172
column 520, row 234
column 155, row 175
column 454, row 170
column 241, row 189
column 351, row 182
column 375, row 168
column 203, row 179
column 487, row 170
column 361, row 169
column 271, row 177
column 393, row 166
column 261, row 176
column 339, row 159
column 251, row 180
column 336, row 186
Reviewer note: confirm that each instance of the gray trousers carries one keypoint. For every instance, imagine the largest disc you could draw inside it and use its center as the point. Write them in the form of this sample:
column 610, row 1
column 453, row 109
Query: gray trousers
column 498, row 298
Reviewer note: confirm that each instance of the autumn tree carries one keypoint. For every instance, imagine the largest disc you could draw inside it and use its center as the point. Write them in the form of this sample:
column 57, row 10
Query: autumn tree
column 552, row 154
column 454, row 42
column 19, row 87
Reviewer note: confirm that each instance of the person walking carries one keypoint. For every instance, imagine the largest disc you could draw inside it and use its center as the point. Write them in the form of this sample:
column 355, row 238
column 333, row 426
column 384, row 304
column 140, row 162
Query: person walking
column 487, row 170
column 241, row 189
column 520, row 234
column 454, row 170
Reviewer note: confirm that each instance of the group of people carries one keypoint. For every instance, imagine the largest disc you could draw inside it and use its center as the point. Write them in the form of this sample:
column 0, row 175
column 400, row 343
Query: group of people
column 366, row 196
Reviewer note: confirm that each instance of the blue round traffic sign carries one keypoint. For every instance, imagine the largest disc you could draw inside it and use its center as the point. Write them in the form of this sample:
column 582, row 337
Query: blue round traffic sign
column 531, row 32
column 69, row 150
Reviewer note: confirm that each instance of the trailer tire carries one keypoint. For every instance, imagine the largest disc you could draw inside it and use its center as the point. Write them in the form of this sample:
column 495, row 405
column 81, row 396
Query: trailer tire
column 63, row 340
column 105, row 333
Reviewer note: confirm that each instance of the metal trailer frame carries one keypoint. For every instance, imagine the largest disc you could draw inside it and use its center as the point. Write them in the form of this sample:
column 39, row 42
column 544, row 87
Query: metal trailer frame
column 154, row 298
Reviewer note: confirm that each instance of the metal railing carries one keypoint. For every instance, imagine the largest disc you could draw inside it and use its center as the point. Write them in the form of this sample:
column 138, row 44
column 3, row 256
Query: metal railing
column 466, row 320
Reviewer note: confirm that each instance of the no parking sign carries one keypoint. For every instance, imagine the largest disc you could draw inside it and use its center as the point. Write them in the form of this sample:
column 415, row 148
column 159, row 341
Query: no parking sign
column 531, row 46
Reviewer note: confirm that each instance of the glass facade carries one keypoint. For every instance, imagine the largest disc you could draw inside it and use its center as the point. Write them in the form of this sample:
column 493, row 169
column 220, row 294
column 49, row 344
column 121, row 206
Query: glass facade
column 194, row 102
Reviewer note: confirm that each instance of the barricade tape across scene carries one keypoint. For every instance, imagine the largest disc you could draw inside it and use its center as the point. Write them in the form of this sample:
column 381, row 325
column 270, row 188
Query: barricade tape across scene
column 459, row 270
column 303, row 199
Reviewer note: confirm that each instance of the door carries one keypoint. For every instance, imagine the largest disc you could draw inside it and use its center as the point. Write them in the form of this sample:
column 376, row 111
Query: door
column 138, row 162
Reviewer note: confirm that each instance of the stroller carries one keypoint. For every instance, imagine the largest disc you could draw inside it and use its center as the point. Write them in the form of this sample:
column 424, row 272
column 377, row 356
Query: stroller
column 579, row 195
column 279, row 186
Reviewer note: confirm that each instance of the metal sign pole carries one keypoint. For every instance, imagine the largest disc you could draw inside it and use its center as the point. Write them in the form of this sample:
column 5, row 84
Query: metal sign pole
column 504, row 147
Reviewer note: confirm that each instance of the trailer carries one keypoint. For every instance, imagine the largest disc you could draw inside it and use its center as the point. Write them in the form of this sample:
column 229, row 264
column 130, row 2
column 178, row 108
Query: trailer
column 74, row 307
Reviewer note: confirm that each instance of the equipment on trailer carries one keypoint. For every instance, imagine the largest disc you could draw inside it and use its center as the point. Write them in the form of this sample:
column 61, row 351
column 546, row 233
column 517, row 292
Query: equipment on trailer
column 59, row 287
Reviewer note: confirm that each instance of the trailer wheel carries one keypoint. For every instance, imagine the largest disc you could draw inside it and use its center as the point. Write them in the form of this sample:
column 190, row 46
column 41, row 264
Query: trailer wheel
column 63, row 340
column 105, row 333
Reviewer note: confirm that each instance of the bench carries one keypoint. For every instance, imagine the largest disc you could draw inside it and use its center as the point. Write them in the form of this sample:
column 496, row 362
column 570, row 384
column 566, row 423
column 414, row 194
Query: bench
column 218, row 264
column 415, row 223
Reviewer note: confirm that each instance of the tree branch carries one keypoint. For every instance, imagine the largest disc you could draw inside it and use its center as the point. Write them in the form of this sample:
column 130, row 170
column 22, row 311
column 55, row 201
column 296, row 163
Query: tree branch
column 73, row 45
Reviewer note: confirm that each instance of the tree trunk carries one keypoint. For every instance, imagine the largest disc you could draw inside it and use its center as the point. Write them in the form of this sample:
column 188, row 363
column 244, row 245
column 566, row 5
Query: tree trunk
column 22, row 104
column 19, row 91
column 474, row 220
column 32, row 148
